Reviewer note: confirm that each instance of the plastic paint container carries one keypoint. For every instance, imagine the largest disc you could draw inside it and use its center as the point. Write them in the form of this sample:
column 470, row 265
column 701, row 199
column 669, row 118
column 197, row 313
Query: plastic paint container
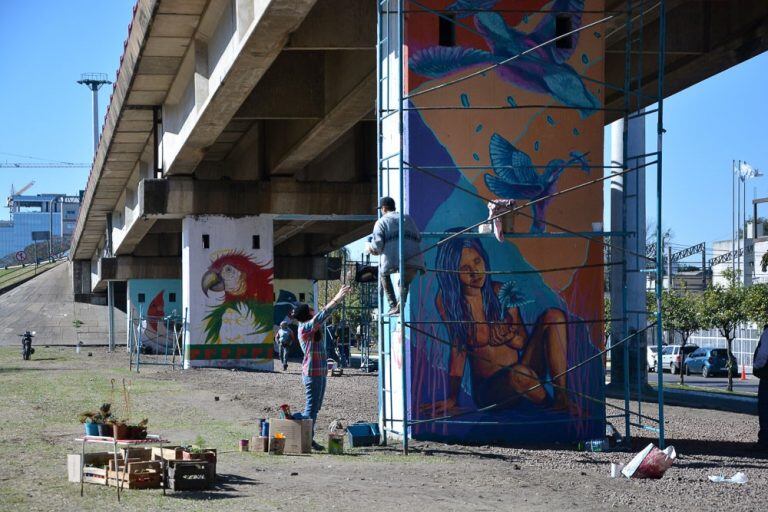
column 243, row 445
column 335, row 444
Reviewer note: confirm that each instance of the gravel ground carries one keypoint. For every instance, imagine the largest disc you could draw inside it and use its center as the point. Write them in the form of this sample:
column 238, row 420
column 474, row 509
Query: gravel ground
column 435, row 477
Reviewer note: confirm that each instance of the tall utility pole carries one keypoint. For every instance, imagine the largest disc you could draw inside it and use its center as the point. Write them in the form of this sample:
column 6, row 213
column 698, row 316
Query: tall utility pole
column 94, row 81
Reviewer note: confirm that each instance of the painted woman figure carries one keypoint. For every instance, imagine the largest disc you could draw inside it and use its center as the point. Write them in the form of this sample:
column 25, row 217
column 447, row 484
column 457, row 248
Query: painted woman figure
column 506, row 358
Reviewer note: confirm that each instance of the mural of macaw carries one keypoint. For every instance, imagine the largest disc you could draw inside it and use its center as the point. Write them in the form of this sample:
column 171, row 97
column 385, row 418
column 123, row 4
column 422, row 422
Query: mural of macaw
column 246, row 306
column 543, row 70
column 515, row 177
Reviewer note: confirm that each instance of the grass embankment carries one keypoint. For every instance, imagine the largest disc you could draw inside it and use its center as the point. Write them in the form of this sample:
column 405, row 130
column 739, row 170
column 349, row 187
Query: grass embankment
column 12, row 276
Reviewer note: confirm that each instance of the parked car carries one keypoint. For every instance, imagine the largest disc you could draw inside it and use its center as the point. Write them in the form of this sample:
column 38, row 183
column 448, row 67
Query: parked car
column 710, row 361
column 671, row 356
column 651, row 358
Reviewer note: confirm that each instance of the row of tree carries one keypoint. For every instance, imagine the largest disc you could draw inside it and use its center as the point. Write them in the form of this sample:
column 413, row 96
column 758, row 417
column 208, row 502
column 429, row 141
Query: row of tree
column 719, row 307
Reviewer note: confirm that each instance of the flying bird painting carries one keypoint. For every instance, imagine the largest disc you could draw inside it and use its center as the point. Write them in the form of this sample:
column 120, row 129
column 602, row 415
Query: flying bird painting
column 246, row 304
column 543, row 70
column 515, row 177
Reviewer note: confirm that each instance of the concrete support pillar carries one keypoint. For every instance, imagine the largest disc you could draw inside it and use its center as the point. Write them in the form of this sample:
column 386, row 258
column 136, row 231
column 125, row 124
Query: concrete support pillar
column 227, row 271
column 628, row 216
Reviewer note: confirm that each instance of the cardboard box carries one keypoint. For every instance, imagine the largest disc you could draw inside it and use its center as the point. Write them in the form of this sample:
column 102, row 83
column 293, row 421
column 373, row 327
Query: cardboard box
column 298, row 434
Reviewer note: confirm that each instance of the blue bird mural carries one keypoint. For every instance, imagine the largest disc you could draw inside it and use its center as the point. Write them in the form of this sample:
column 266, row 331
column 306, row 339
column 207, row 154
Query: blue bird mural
column 543, row 70
column 515, row 177
column 466, row 8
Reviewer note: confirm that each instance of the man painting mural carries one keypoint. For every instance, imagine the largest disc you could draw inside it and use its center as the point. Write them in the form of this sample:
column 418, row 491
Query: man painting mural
column 384, row 243
column 314, row 369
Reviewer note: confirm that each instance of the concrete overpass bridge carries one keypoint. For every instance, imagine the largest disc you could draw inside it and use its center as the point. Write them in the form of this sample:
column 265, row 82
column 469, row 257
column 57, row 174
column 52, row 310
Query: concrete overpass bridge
column 238, row 109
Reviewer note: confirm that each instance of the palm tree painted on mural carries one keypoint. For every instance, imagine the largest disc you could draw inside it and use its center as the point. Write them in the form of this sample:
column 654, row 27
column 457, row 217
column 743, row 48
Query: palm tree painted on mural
column 515, row 177
column 543, row 70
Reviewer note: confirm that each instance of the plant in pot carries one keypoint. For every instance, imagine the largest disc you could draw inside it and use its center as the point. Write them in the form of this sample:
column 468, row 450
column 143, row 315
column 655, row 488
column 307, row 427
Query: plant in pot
column 138, row 431
column 198, row 451
column 120, row 428
column 88, row 419
column 104, row 418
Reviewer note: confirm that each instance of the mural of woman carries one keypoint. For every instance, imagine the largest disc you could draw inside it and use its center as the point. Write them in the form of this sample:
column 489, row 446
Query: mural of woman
column 506, row 358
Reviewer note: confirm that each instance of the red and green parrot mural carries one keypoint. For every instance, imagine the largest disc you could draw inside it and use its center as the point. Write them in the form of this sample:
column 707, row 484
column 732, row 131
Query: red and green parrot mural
column 245, row 308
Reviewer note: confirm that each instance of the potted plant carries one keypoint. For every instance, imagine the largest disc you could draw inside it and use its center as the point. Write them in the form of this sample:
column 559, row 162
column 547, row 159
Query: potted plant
column 119, row 429
column 103, row 418
column 198, row 451
column 138, row 431
column 88, row 420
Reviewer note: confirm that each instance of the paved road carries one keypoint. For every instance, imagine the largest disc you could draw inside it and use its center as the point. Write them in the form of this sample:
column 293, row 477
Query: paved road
column 747, row 386
column 44, row 304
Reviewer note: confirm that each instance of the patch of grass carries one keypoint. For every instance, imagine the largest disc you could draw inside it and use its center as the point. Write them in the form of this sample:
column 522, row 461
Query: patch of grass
column 687, row 387
column 12, row 276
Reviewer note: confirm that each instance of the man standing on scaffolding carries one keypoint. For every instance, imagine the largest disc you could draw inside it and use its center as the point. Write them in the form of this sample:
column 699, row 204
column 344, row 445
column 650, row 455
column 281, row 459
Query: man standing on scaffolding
column 384, row 243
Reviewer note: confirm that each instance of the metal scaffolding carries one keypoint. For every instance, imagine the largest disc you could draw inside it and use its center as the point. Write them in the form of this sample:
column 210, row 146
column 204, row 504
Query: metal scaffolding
column 164, row 337
column 392, row 104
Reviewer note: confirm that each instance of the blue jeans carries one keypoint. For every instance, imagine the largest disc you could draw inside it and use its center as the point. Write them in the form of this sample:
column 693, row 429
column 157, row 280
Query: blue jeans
column 314, row 389
column 284, row 354
column 762, row 411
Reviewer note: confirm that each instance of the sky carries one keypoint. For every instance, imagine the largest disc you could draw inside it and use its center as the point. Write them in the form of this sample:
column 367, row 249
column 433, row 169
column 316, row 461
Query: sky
column 45, row 45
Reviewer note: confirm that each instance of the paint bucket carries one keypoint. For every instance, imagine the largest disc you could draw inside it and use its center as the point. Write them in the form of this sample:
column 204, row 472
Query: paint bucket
column 335, row 444
column 243, row 445
column 276, row 445
column 91, row 429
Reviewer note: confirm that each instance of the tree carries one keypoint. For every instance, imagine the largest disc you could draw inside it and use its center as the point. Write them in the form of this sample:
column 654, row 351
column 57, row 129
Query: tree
column 724, row 308
column 681, row 313
column 757, row 304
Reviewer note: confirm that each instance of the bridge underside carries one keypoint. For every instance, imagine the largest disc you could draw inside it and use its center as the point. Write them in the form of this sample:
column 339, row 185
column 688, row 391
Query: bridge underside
column 246, row 109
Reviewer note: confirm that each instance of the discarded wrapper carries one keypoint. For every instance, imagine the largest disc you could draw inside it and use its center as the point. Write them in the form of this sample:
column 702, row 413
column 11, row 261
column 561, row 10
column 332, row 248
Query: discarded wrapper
column 616, row 469
column 738, row 478
column 650, row 462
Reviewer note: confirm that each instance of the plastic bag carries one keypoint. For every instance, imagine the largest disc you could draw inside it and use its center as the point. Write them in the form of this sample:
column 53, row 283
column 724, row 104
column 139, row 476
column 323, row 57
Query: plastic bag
column 738, row 478
column 650, row 462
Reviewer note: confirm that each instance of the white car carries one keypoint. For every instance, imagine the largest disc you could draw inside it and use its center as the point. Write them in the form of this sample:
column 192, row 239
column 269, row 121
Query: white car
column 671, row 356
column 651, row 358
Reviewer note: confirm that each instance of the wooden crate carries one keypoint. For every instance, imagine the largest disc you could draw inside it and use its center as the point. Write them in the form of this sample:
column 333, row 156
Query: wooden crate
column 138, row 453
column 189, row 475
column 167, row 453
column 97, row 459
column 138, row 475
column 95, row 475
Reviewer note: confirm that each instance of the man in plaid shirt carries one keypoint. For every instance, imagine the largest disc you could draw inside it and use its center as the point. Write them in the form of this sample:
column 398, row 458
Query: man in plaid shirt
column 314, row 369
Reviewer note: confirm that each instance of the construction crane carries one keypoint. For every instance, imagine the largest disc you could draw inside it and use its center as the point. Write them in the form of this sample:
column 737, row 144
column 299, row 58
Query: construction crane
column 23, row 165
column 22, row 189
column 15, row 193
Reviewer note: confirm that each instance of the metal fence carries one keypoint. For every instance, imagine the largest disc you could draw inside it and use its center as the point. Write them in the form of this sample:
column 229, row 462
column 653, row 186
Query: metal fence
column 743, row 345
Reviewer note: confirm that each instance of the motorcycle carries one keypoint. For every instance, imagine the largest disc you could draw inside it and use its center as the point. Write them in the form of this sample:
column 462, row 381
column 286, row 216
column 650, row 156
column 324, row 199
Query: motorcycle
column 26, row 345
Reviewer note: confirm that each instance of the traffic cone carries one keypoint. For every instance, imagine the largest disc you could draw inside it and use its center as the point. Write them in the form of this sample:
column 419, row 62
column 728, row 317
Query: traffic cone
column 743, row 372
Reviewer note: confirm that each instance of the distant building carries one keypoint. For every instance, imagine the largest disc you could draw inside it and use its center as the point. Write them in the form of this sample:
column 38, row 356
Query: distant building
column 55, row 214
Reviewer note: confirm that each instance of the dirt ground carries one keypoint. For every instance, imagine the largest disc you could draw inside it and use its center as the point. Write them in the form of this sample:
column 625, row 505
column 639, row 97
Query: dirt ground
column 41, row 399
